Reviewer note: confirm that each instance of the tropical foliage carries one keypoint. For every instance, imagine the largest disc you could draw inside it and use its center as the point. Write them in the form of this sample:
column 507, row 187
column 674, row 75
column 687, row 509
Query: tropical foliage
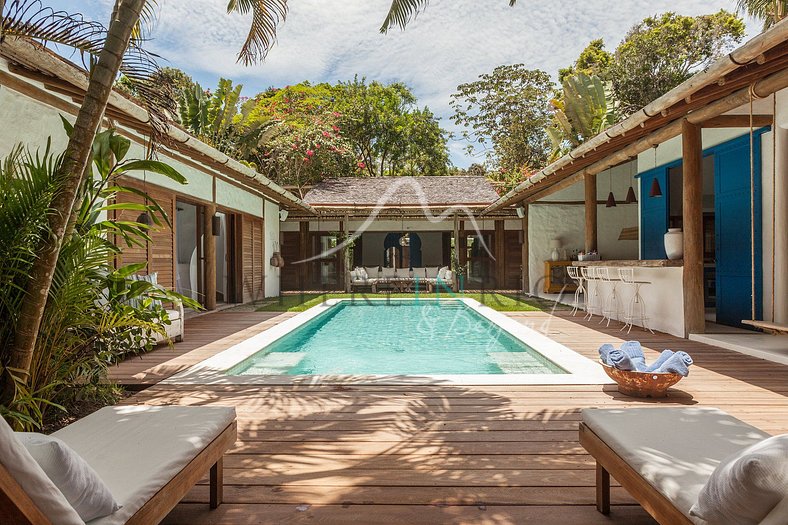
column 94, row 312
column 585, row 108
column 770, row 11
column 663, row 51
column 507, row 112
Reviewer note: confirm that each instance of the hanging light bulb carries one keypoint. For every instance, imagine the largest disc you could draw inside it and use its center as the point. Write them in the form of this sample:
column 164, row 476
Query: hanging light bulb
column 631, row 197
column 611, row 199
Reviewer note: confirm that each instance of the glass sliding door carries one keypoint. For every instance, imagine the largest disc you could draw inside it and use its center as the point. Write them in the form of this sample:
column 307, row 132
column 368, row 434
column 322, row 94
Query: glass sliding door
column 188, row 246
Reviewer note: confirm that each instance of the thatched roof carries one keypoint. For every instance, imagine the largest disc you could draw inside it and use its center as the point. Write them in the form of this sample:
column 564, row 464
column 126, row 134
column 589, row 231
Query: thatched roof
column 393, row 192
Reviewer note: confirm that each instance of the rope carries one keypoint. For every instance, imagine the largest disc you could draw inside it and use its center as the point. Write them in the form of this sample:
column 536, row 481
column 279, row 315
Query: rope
column 752, row 208
column 774, row 192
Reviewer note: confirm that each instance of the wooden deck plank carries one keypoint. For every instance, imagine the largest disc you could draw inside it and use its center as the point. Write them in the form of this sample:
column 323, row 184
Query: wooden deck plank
column 433, row 453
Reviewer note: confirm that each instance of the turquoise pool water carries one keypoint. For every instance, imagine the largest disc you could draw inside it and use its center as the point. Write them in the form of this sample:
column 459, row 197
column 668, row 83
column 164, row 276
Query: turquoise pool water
column 424, row 337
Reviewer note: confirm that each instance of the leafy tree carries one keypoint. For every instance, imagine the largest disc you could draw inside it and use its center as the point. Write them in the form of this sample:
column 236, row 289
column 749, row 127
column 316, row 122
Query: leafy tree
column 389, row 133
column 663, row 51
column 209, row 115
column 593, row 60
column 507, row 110
column 770, row 11
column 176, row 78
column 585, row 108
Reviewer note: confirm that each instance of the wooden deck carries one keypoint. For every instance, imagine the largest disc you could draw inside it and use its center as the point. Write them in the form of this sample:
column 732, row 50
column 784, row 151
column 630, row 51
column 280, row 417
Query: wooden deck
column 433, row 454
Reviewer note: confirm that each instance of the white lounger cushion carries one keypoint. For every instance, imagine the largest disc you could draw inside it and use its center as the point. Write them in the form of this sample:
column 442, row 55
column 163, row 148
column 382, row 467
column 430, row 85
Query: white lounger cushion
column 746, row 486
column 137, row 450
column 674, row 449
column 33, row 480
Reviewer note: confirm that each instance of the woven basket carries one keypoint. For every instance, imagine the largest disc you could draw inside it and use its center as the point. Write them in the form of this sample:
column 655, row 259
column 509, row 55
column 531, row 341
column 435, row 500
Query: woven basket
column 641, row 384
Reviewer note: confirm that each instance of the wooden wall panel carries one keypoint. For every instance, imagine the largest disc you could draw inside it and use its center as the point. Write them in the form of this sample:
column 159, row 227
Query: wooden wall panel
column 513, row 260
column 159, row 254
column 291, row 251
column 252, row 258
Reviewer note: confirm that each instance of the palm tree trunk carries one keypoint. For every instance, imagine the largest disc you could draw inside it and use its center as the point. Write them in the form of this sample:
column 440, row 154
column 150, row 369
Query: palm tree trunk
column 72, row 171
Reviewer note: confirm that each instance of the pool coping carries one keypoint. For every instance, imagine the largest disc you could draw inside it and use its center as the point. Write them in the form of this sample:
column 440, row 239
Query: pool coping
column 212, row 371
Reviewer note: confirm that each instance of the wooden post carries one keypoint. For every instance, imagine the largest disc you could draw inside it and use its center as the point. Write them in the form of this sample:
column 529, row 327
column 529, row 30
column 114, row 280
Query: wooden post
column 209, row 252
column 457, row 250
column 591, row 209
column 692, row 202
column 499, row 249
column 344, row 284
column 303, row 253
column 525, row 249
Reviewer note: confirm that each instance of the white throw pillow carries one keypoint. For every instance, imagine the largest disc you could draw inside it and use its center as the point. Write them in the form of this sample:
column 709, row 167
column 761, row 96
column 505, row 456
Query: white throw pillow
column 372, row 271
column 79, row 483
column 745, row 487
column 388, row 273
column 432, row 272
column 354, row 275
column 33, row 480
column 362, row 273
column 442, row 273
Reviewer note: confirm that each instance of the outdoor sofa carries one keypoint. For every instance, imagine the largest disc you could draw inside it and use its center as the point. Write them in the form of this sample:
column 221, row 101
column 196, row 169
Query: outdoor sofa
column 146, row 458
column 688, row 465
column 377, row 278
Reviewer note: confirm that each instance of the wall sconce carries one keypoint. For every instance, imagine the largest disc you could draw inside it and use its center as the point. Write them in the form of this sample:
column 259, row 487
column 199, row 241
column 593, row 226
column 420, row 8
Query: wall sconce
column 520, row 212
column 283, row 215
column 216, row 225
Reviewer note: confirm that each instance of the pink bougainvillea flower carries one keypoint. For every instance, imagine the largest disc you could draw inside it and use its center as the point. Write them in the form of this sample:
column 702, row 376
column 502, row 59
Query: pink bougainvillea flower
column 317, row 146
column 335, row 127
column 309, row 153
column 336, row 114
column 326, row 134
column 306, row 159
column 362, row 165
column 294, row 147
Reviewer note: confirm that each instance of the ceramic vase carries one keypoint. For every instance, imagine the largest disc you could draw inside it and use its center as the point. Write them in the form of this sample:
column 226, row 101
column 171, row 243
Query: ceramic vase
column 555, row 256
column 674, row 243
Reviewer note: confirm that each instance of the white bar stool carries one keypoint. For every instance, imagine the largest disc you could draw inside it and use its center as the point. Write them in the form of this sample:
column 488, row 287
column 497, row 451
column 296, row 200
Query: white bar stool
column 577, row 276
column 611, row 307
column 637, row 306
column 594, row 304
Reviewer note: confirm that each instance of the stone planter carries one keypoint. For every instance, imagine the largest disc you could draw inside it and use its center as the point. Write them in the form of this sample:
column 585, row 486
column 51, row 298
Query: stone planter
column 674, row 243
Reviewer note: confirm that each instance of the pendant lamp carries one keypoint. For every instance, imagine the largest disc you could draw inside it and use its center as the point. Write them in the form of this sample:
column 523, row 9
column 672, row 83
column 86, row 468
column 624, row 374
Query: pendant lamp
column 611, row 199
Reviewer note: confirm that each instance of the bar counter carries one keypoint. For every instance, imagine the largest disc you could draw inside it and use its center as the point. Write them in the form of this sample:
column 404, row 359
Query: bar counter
column 651, row 263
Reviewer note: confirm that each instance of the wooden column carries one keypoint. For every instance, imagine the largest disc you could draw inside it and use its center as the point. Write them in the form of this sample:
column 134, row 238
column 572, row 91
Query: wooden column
column 344, row 283
column 303, row 253
column 456, row 249
column 209, row 253
column 692, row 205
column 499, row 249
column 591, row 209
column 525, row 253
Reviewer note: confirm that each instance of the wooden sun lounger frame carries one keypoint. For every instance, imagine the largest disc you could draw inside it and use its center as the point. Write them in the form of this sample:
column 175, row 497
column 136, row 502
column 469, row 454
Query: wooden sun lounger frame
column 609, row 463
column 18, row 508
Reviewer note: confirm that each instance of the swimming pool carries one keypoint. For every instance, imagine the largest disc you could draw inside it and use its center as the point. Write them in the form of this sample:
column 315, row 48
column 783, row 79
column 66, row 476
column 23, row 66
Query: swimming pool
column 408, row 337
column 397, row 341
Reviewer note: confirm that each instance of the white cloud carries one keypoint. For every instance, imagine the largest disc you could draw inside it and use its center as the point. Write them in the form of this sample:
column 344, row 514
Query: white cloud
column 452, row 42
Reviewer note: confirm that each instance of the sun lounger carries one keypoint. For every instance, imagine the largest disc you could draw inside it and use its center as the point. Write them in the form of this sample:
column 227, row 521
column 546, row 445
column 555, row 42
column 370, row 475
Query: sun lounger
column 664, row 456
column 149, row 458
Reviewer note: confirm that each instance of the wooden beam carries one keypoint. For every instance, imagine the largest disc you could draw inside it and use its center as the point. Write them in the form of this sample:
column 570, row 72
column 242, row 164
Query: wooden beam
column 525, row 253
column 692, row 201
column 738, row 121
column 344, row 283
column 591, row 213
column 210, row 258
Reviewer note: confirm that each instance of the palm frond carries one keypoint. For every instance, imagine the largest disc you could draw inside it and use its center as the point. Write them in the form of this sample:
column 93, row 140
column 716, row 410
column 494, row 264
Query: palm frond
column 266, row 16
column 31, row 19
column 401, row 12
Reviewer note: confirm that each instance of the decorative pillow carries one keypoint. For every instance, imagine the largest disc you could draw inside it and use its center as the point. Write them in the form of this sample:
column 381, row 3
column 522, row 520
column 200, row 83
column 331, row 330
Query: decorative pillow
column 432, row 272
column 388, row 273
column 442, row 273
column 354, row 275
column 33, row 480
column 746, row 486
column 77, row 480
column 362, row 273
column 372, row 271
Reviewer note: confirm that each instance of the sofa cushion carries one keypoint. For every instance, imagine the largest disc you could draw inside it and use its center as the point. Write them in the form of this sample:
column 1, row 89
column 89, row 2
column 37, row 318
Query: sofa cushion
column 674, row 449
column 442, row 273
column 372, row 272
column 83, row 488
column 388, row 273
column 747, row 485
column 142, row 447
column 33, row 480
column 362, row 273
column 432, row 272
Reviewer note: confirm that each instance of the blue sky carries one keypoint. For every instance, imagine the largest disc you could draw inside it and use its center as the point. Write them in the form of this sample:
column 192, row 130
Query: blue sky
column 452, row 42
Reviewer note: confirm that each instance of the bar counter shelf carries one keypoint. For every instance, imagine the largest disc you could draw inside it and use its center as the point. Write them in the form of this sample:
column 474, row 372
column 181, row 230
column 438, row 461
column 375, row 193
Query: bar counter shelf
column 650, row 263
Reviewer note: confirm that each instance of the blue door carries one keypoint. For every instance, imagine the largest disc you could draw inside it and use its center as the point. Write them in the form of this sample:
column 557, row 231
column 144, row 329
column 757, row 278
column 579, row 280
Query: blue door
column 653, row 214
column 733, row 235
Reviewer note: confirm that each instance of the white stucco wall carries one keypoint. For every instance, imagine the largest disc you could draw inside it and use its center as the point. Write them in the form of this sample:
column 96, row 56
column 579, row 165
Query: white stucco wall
column 271, row 224
column 236, row 198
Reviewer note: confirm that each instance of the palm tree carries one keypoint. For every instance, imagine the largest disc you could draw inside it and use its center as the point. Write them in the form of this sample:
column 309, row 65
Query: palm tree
column 770, row 11
column 111, row 49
